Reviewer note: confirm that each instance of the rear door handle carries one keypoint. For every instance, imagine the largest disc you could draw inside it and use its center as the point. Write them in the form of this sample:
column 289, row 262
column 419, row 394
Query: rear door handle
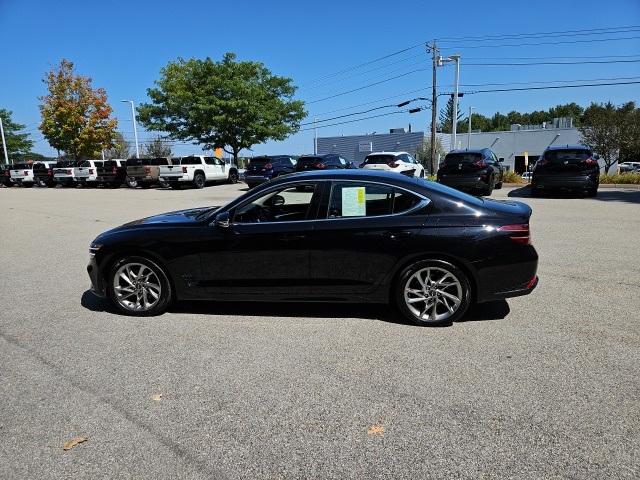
column 292, row 237
column 398, row 235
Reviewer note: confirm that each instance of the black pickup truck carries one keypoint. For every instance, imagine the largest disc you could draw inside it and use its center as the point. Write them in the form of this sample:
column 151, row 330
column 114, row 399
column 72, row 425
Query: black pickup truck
column 43, row 174
column 112, row 173
column 5, row 175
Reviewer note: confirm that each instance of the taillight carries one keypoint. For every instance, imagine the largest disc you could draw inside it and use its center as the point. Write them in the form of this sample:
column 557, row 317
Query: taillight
column 184, row 169
column 50, row 172
column 320, row 166
column 147, row 170
column 542, row 161
column 268, row 166
column 91, row 171
column 26, row 173
column 481, row 164
column 69, row 172
column 115, row 170
column 591, row 161
column 519, row 233
column 392, row 165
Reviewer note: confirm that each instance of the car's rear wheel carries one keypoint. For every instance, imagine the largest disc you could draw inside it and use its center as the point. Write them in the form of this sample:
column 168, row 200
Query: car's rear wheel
column 592, row 192
column 198, row 180
column 131, row 182
column 432, row 293
column 486, row 191
column 139, row 287
column 163, row 184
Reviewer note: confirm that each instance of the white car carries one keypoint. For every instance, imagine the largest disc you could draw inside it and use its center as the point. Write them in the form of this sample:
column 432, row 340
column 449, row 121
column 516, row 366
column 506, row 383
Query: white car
column 526, row 175
column 400, row 162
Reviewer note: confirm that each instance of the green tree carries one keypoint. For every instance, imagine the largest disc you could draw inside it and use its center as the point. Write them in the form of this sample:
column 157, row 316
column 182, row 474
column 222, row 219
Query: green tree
column 423, row 152
column 446, row 117
column 499, row 123
column 228, row 104
column 121, row 147
column 18, row 144
column 569, row 110
column 75, row 117
column 610, row 131
column 156, row 147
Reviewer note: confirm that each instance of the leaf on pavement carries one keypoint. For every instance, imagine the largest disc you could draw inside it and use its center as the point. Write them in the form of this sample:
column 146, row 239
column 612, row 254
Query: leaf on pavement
column 376, row 430
column 73, row 443
column 157, row 398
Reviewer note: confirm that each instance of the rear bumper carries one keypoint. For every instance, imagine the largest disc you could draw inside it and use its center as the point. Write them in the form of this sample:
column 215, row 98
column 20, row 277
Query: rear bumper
column 256, row 179
column 463, row 182
column 577, row 182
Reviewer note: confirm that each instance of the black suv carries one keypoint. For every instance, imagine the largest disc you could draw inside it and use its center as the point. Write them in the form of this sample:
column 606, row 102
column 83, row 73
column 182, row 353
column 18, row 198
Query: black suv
column 327, row 161
column 264, row 168
column 477, row 169
column 569, row 167
column 5, row 176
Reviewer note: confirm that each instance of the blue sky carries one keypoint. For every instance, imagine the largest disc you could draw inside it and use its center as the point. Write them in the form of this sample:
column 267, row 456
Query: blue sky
column 345, row 57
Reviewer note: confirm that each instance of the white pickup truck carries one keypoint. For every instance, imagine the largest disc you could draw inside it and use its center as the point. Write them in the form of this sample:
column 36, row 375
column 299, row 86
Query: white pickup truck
column 22, row 174
column 197, row 170
column 69, row 173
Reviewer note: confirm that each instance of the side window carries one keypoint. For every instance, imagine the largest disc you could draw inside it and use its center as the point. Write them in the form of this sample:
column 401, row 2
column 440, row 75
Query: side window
column 410, row 159
column 354, row 199
column 342, row 161
column 209, row 161
column 285, row 205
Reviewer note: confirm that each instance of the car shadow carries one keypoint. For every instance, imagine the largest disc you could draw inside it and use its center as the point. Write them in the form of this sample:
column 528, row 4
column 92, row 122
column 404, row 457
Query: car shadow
column 604, row 194
column 496, row 310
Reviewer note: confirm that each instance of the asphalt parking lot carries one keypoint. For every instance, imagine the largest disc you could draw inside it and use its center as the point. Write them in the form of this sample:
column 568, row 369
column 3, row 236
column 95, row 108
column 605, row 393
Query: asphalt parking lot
column 542, row 386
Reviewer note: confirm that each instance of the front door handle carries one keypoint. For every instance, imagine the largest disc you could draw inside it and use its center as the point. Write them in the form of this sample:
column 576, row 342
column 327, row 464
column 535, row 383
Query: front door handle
column 398, row 235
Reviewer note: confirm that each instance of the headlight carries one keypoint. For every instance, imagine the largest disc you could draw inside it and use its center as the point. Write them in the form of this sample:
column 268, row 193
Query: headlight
column 93, row 249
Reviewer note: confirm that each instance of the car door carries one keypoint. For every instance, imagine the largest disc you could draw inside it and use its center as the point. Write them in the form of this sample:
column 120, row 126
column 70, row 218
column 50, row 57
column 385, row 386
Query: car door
column 260, row 255
column 364, row 231
column 214, row 169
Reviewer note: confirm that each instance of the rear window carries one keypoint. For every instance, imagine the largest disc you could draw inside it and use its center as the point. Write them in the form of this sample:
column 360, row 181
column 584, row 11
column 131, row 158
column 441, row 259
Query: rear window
column 569, row 154
column 378, row 159
column 134, row 162
column 310, row 160
column 159, row 161
column 457, row 158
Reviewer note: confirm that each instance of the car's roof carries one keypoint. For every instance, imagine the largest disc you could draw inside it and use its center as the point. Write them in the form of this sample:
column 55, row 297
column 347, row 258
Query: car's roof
column 468, row 150
column 387, row 153
column 350, row 174
column 567, row 147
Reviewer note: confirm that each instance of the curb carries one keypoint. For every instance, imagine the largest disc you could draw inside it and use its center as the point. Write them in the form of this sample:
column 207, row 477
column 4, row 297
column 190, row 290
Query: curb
column 627, row 186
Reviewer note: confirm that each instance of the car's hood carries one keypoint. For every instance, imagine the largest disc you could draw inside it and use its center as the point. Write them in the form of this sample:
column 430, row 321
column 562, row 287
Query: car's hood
column 188, row 216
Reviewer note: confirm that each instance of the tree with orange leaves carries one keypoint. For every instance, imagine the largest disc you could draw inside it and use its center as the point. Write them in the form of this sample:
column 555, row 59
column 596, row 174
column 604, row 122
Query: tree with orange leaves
column 75, row 117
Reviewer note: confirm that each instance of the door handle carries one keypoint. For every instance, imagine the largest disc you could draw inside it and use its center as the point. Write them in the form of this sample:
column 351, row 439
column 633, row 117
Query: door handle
column 398, row 235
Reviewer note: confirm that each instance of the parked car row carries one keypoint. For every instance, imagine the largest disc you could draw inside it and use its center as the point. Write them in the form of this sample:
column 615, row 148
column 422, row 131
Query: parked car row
column 175, row 172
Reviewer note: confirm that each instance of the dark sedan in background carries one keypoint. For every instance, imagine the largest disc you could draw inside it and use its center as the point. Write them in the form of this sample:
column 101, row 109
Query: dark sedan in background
column 479, row 171
column 328, row 161
column 332, row 236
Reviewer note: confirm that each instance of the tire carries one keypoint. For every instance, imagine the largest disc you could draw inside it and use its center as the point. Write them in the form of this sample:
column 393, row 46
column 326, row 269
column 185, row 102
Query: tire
column 162, row 184
column 198, row 180
column 592, row 193
column 41, row 183
column 132, row 182
column 139, row 287
column 233, row 176
column 486, row 191
column 432, row 293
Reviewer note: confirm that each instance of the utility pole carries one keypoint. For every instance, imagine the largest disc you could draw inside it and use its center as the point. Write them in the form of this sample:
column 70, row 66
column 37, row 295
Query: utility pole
column 4, row 143
column 434, row 98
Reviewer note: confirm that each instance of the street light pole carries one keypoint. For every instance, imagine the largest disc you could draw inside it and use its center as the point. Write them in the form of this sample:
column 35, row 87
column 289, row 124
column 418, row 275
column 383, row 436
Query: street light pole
column 135, row 131
column 454, row 118
column 4, row 143
column 469, row 139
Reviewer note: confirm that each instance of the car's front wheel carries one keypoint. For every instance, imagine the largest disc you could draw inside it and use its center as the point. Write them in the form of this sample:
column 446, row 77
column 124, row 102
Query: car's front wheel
column 233, row 177
column 432, row 293
column 139, row 287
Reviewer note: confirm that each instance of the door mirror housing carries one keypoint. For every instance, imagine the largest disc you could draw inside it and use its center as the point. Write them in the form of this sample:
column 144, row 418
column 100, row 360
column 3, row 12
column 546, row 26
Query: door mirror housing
column 223, row 220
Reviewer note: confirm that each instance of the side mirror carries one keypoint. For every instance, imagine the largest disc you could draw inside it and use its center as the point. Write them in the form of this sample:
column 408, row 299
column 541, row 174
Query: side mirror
column 223, row 220
column 596, row 157
column 501, row 160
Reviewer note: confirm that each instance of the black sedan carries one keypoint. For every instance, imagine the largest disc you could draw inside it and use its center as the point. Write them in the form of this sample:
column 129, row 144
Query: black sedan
column 333, row 236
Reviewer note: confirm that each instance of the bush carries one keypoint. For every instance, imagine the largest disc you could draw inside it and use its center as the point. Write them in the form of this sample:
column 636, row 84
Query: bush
column 512, row 177
column 626, row 179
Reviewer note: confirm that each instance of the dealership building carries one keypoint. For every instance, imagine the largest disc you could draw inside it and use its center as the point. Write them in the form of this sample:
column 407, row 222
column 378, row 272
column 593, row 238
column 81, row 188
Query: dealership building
column 519, row 146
